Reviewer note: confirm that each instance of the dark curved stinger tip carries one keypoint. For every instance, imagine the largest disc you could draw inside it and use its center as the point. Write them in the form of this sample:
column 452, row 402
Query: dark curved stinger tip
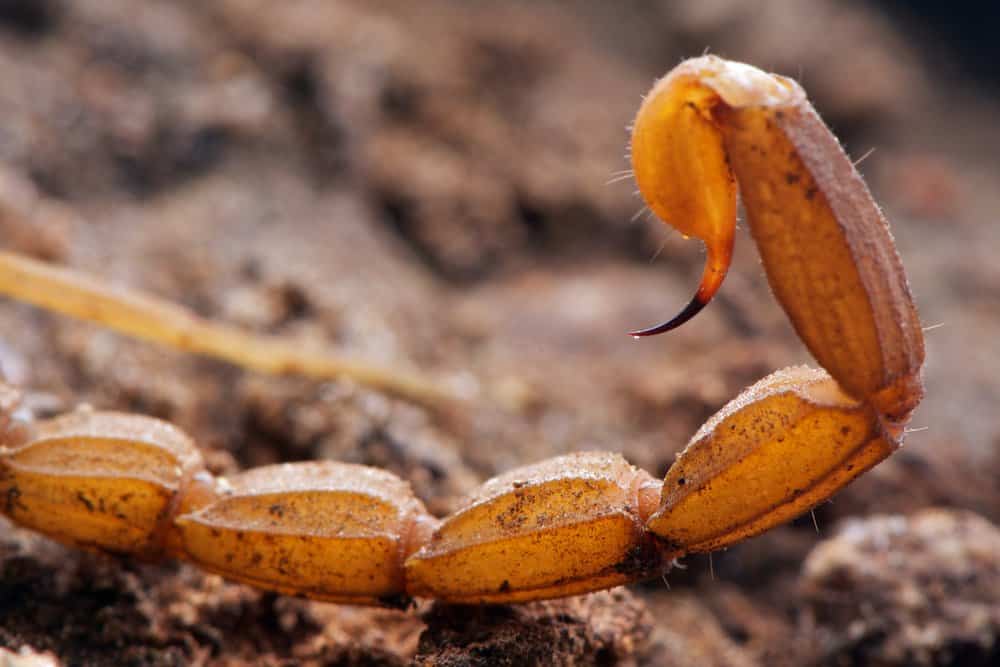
column 693, row 308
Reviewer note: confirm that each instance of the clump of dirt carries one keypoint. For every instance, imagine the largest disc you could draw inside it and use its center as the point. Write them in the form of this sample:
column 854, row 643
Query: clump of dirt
column 898, row 590
column 606, row 628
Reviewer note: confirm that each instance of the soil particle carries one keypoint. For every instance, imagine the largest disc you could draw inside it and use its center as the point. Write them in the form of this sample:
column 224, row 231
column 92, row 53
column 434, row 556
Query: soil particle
column 26, row 657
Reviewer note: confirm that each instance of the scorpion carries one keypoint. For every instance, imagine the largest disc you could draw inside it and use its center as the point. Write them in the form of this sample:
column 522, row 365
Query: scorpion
column 709, row 131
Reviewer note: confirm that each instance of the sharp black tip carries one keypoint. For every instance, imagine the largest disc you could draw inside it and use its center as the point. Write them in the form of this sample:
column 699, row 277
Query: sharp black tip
column 693, row 308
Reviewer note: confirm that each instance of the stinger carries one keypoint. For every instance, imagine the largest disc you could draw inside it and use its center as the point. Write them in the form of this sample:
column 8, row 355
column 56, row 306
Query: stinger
column 711, row 280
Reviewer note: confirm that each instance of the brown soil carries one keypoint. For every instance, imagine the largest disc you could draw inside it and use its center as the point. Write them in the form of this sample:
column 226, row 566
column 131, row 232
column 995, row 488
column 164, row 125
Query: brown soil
column 426, row 184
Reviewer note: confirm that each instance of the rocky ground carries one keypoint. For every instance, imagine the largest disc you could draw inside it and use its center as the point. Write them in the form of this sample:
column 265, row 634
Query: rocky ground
column 432, row 185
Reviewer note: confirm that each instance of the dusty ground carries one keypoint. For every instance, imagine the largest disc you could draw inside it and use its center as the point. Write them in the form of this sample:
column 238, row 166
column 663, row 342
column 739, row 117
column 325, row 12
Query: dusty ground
column 429, row 188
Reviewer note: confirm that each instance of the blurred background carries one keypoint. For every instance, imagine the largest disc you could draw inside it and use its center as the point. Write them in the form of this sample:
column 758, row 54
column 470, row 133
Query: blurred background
column 436, row 186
